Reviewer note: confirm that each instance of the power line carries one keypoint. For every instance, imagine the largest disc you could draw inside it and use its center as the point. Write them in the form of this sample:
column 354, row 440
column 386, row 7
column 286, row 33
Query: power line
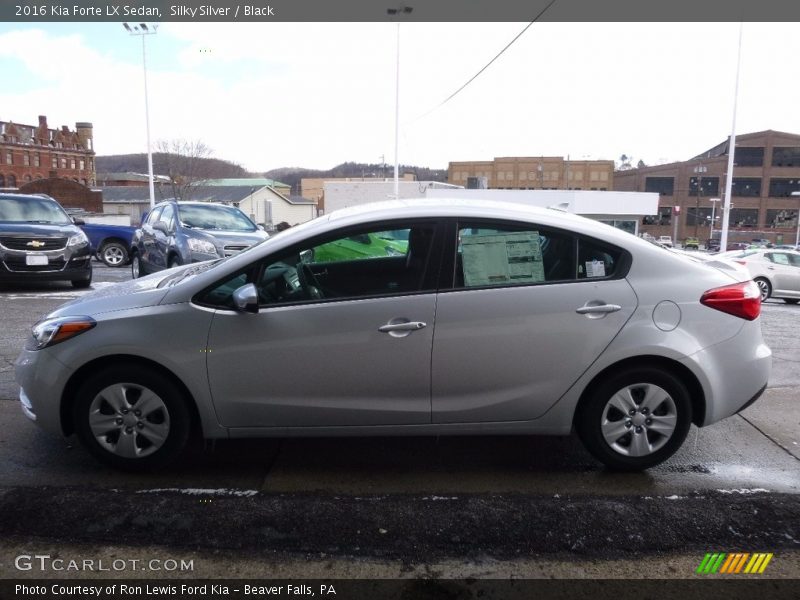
column 499, row 54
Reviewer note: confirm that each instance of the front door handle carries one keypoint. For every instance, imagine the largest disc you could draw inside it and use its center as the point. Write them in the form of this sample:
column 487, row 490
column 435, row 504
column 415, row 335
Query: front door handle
column 602, row 308
column 407, row 326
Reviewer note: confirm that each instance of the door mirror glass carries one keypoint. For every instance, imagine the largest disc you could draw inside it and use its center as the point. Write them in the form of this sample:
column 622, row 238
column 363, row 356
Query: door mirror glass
column 160, row 226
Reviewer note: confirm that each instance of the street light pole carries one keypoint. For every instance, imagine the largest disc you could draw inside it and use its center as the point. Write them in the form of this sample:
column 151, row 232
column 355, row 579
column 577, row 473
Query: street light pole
column 142, row 30
column 699, row 170
column 400, row 10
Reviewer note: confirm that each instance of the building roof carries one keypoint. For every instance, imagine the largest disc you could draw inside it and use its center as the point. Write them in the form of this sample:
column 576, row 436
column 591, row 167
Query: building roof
column 223, row 193
column 134, row 193
column 243, row 181
column 299, row 200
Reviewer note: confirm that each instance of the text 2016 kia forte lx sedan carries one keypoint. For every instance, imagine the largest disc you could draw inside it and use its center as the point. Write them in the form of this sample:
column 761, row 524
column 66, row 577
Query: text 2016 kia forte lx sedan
column 494, row 319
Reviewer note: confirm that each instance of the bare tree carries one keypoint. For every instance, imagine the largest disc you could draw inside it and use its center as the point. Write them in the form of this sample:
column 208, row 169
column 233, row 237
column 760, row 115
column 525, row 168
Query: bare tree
column 186, row 163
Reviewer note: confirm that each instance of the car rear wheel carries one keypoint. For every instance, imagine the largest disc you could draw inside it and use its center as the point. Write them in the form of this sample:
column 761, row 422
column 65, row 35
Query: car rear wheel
column 132, row 417
column 114, row 254
column 636, row 419
column 765, row 288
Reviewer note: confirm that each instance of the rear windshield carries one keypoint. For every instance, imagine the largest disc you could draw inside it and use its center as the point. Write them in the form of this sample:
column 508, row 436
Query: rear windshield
column 32, row 210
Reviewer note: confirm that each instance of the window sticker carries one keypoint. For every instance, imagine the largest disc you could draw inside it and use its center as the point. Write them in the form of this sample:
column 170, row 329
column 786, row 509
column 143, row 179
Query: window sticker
column 595, row 268
column 510, row 258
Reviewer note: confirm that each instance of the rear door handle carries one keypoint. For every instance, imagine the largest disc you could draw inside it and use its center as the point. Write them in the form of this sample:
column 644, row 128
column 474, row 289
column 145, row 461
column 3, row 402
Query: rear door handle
column 408, row 326
column 602, row 308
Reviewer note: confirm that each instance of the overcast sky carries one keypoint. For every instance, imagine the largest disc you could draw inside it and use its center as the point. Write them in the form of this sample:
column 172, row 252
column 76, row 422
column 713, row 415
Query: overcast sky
column 269, row 95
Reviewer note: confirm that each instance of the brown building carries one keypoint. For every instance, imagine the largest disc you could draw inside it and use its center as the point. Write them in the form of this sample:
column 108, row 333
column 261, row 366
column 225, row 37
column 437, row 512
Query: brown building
column 32, row 152
column 533, row 173
column 766, row 172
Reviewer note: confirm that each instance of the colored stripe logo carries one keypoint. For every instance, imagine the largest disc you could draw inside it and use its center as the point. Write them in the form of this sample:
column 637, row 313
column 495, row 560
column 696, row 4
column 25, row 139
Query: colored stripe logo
column 734, row 563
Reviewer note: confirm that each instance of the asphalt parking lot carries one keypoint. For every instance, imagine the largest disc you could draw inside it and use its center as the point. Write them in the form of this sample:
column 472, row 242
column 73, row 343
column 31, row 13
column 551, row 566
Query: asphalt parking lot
column 459, row 504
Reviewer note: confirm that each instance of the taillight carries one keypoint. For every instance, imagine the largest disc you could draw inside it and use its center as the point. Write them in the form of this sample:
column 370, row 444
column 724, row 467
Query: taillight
column 740, row 299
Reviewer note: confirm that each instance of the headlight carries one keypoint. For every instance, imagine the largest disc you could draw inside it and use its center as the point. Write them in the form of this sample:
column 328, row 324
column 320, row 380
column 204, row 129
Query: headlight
column 78, row 239
column 52, row 331
column 202, row 246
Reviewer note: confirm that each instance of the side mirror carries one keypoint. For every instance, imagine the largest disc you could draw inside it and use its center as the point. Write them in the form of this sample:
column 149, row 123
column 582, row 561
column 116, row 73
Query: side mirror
column 160, row 226
column 245, row 298
column 307, row 256
column 78, row 221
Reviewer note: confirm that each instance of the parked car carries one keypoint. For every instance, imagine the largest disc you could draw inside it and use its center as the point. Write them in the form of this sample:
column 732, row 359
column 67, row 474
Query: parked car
column 691, row 243
column 177, row 233
column 39, row 241
column 737, row 246
column 713, row 245
column 499, row 318
column 665, row 240
column 110, row 243
column 777, row 272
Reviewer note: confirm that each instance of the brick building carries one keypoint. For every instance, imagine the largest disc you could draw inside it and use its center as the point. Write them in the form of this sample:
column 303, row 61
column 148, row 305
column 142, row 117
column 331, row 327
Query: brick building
column 766, row 172
column 534, row 173
column 32, row 152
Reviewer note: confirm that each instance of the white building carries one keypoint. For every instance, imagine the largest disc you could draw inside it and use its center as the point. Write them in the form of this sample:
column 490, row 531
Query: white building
column 341, row 194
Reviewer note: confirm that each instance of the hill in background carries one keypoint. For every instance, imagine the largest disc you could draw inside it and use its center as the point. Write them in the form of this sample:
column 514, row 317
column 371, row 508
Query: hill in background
column 215, row 168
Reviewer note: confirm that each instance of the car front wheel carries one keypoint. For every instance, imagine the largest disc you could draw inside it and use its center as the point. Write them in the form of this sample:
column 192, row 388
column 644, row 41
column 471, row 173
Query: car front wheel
column 137, row 268
column 635, row 419
column 132, row 417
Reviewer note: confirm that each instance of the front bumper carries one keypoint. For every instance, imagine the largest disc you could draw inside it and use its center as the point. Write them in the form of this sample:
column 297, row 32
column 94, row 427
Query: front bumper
column 42, row 379
column 61, row 265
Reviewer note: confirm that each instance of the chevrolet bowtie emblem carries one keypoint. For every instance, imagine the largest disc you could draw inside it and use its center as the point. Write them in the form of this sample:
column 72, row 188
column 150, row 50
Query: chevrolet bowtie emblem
column 35, row 244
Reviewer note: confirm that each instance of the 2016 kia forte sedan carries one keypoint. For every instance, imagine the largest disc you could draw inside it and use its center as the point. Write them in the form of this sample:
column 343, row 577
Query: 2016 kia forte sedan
column 494, row 318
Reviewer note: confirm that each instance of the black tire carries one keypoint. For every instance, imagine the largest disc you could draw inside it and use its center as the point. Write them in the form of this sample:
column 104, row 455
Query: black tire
column 597, row 412
column 128, row 444
column 765, row 287
column 81, row 284
column 114, row 254
column 791, row 300
column 137, row 266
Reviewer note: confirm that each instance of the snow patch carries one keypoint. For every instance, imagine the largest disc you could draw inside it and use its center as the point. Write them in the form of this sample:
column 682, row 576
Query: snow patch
column 203, row 492
column 744, row 491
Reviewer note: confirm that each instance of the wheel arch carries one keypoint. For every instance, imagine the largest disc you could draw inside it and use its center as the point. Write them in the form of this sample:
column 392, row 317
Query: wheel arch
column 696, row 394
column 79, row 376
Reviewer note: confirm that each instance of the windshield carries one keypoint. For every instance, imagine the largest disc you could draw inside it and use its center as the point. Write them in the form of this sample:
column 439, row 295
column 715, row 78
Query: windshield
column 215, row 218
column 32, row 210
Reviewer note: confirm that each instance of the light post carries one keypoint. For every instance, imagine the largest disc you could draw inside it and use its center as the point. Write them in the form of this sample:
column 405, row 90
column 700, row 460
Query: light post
column 699, row 170
column 399, row 11
column 797, row 236
column 142, row 30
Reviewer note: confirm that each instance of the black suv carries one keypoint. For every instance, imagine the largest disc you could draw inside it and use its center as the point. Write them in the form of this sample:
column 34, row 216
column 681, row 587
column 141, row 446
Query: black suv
column 40, row 242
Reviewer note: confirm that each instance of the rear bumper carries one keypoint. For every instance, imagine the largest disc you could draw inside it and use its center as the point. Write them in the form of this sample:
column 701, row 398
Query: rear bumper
column 734, row 373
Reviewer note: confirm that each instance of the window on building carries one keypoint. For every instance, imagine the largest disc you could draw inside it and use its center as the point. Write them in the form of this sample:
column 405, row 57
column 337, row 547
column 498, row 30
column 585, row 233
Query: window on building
column 72, row 163
column 709, row 186
column 594, row 176
column 9, row 158
column 82, row 164
column 603, row 176
column 63, row 162
column 744, row 217
column 54, row 162
column 781, row 187
column 781, row 217
column 26, row 159
column 786, row 156
column 12, row 181
column 664, row 217
column 746, row 186
column 748, row 157
column 699, row 216
column 36, row 159
column 660, row 185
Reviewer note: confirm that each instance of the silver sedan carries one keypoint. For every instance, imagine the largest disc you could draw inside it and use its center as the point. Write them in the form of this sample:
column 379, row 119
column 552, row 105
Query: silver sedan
column 776, row 271
column 409, row 317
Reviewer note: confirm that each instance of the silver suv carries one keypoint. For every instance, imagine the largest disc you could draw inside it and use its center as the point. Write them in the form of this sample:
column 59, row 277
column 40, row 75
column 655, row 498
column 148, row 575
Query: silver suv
column 179, row 233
